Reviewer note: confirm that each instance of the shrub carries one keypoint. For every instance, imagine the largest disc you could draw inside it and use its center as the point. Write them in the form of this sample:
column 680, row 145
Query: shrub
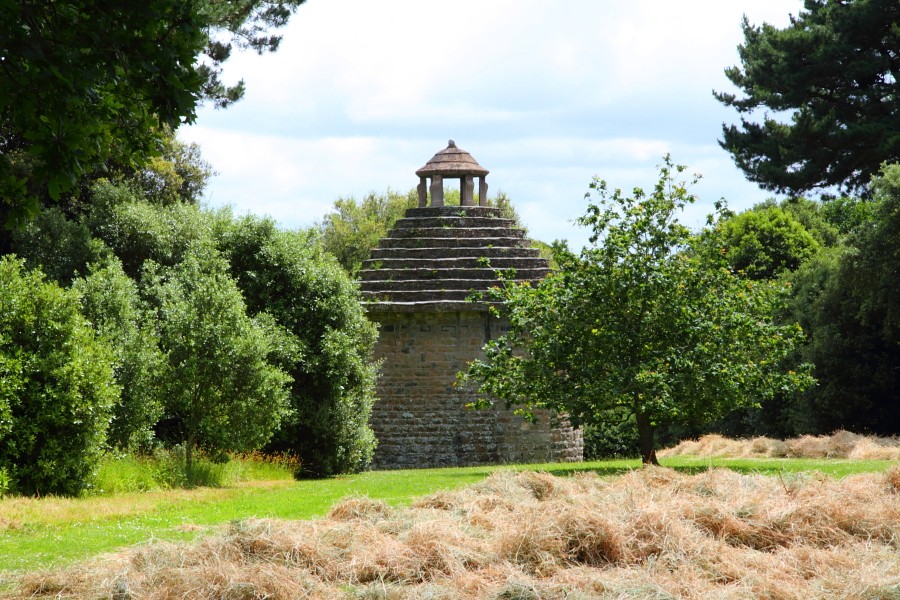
column 56, row 385
column 109, row 299
column 314, row 300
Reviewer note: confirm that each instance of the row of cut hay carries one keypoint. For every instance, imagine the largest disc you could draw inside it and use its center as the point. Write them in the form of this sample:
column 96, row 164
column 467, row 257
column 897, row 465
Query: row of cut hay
column 840, row 444
column 651, row 533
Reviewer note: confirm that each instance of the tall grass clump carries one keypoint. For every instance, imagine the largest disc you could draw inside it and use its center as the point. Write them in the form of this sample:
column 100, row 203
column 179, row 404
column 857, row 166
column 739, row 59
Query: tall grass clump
column 5, row 482
column 121, row 473
column 651, row 533
column 166, row 469
column 256, row 466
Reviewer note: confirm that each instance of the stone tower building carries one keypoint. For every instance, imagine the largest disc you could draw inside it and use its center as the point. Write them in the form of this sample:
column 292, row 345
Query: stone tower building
column 416, row 285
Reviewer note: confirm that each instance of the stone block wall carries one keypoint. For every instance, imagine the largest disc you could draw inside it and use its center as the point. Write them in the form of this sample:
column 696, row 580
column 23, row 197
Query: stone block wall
column 420, row 418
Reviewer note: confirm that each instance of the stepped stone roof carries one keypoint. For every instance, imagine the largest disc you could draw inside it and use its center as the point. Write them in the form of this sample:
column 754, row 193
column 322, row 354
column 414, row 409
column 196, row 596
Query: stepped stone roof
column 452, row 162
column 436, row 257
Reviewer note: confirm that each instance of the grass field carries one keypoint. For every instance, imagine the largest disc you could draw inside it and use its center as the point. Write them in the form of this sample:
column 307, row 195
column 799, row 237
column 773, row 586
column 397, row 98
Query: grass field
column 40, row 533
column 644, row 533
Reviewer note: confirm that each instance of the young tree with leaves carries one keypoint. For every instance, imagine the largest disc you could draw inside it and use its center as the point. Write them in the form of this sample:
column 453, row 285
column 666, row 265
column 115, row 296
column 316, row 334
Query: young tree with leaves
column 355, row 227
column 834, row 70
column 221, row 384
column 110, row 301
column 639, row 325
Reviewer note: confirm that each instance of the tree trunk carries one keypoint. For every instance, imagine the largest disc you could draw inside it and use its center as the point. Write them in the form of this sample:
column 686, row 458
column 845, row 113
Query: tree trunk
column 645, row 438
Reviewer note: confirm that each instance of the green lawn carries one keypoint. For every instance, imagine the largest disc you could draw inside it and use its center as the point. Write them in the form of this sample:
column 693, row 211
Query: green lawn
column 52, row 532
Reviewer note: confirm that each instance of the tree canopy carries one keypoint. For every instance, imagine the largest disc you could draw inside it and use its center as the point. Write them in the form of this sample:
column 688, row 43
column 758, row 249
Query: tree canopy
column 833, row 72
column 639, row 325
column 766, row 241
column 292, row 292
column 848, row 301
column 82, row 82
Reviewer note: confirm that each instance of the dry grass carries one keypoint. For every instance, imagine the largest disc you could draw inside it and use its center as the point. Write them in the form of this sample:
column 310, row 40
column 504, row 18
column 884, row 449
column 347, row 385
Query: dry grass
column 840, row 444
column 17, row 512
column 652, row 533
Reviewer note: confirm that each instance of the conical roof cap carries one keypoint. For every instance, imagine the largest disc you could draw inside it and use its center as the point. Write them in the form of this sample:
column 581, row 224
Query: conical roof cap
column 452, row 162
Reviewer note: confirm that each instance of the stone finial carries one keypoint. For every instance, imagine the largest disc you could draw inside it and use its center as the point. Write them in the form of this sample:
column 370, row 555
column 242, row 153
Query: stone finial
column 454, row 163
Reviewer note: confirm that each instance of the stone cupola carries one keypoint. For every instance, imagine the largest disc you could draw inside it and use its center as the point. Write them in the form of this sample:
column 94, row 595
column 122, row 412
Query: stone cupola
column 452, row 163
column 437, row 256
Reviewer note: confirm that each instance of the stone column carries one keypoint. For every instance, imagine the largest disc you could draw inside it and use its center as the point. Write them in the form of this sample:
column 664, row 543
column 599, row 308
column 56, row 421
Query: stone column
column 467, row 188
column 423, row 199
column 482, row 191
column 437, row 190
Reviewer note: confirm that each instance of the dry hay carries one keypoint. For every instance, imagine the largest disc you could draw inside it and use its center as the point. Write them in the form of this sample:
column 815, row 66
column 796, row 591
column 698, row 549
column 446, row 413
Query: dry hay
column 840, row 444
column 651, row 533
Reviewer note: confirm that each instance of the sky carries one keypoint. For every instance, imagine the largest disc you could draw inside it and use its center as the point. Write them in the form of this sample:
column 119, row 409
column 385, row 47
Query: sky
column 545, row 95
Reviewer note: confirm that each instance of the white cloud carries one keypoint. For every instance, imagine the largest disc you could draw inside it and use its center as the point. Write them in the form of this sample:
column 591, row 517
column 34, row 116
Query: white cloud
column 545, row 95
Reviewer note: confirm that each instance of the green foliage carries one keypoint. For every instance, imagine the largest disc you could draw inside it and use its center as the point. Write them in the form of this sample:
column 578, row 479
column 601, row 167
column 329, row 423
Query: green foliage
column 56, row 385
column 300, row 300
column 219, row 383
column 85, row 82
column 847, row 214
column 816, row 216
column 765, row 242
column 137, row 231
column 611, row 439
column 60, row 247
column 834, row 70
column 636, row 325
column 5, row 482
column 110, row 301
column 354, row 228
column 89, row 80
column 178, row 174
column 848, row 301
column 311, row 297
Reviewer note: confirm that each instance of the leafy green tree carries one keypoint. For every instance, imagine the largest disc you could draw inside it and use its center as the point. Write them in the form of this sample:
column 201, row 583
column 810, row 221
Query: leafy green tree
column 137, row 231
column 178, row 174
column 834, row 71
column 637, row 327
column 56, row 385
column 309, row 295
column 766, row 241
column 848, row 301
column 110, row 301
column 816, row 216
column 60, row 247
column 82, row 82
column 219, row 382
column 355, row 227
column 289, row 285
